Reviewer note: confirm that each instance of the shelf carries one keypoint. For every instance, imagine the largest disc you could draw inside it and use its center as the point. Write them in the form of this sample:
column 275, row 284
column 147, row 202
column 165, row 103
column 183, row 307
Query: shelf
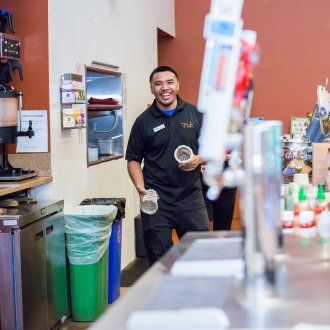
column 105, row 159
column 103, row 107
column 104, row 70
column 97, row 113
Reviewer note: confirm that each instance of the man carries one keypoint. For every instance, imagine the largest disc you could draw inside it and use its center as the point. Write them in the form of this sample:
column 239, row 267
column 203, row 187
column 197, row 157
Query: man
column 156, row 133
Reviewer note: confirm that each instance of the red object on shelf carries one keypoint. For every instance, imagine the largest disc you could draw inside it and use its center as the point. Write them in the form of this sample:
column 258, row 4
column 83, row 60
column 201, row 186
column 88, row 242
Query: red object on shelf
column 108, row 101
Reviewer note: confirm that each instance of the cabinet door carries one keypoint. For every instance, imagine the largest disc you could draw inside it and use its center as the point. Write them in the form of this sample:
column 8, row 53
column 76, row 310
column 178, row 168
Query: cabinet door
column 56, row 268
column 33, row 270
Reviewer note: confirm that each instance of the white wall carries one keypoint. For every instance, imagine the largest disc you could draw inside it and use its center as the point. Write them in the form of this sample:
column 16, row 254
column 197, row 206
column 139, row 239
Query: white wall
column 121, row 32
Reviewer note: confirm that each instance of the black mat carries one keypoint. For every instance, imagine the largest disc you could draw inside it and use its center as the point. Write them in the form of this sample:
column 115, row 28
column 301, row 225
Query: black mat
column 133, row 271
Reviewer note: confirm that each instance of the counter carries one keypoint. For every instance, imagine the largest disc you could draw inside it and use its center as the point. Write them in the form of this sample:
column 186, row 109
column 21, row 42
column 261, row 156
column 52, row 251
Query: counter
column 306, row 294
column 9, row 187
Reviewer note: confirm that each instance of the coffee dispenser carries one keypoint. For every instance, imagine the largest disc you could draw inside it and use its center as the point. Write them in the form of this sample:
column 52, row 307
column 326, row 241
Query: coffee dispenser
column 10, row 99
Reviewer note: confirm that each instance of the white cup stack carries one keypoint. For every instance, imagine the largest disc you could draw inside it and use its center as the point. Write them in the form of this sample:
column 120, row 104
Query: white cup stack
column 183, row 154
column 149, row 202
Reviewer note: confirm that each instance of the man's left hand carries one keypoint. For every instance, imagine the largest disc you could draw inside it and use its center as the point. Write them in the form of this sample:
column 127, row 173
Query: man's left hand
column 192, row 164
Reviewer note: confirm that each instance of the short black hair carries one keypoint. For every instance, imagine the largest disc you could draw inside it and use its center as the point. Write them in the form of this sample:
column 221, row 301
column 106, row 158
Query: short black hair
column 163, row 68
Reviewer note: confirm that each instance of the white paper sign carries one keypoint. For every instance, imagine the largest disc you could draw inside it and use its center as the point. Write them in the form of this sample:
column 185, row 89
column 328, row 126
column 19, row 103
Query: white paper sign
column 38, row 142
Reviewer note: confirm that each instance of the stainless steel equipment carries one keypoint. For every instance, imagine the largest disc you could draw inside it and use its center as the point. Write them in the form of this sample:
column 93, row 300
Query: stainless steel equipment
column 33, row 274
column 261, row 205
column 8, row 116
column 305, row 298
column 10, row 100
column 10, row 107
column 255, row 159
column 10, row 46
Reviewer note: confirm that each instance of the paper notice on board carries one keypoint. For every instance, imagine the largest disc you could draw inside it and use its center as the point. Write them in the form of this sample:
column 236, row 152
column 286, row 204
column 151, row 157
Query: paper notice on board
column 38, row 142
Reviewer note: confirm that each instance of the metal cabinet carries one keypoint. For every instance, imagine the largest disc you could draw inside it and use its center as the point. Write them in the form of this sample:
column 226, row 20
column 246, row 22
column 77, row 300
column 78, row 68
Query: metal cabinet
column 33, row 270
column 34, row 286
column 56, row 268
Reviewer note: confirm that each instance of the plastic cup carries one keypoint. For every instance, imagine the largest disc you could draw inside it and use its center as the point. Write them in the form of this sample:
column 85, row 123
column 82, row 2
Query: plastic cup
column 183, row 154
column 149, row 202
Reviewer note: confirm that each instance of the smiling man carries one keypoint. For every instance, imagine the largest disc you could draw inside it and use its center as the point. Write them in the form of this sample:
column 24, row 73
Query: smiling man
column 156, row 133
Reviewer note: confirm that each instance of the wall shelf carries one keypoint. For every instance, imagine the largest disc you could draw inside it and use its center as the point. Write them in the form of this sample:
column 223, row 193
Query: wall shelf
column 103, row 70
column 103, row 107
column 97, row 113
column 104, row 159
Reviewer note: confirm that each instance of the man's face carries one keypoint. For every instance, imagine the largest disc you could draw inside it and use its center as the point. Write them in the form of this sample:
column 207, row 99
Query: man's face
column 165, row 86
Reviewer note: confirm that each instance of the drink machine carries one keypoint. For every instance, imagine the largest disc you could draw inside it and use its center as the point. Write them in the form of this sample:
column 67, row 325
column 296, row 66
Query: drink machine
column 10, row 99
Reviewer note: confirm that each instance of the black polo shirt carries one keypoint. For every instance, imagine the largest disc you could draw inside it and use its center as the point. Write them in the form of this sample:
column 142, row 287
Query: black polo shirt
column 154, row 138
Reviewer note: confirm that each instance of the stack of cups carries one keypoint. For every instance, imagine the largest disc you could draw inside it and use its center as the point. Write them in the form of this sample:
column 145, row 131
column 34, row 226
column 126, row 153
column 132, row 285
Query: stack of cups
column 183, row 154
column 149, row 202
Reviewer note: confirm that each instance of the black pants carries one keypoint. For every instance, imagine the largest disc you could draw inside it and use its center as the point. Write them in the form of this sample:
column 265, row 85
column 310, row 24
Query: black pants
column 157, row 228
column 221, row 211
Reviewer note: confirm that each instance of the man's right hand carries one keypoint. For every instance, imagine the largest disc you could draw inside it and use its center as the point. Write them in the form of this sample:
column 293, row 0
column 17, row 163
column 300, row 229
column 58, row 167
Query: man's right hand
column 141, row 191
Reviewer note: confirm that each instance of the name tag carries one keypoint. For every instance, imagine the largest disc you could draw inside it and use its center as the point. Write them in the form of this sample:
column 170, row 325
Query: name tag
column 158, row 128
column 10, row 222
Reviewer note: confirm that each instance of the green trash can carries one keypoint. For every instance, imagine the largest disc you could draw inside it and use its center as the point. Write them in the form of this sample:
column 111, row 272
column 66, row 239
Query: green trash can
column 88, row 229
column 89, row 287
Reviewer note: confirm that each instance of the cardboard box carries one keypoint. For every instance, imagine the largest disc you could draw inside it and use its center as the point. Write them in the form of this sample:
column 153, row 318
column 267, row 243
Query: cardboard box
column 320, row 162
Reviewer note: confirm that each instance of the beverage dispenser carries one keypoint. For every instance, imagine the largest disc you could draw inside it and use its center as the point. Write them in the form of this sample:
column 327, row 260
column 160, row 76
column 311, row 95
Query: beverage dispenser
column 10, row 99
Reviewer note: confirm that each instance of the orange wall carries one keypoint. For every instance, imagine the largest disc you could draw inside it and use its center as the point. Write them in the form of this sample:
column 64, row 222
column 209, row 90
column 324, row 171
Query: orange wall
column 31, row 24
column 185, row 51
column 294, row 38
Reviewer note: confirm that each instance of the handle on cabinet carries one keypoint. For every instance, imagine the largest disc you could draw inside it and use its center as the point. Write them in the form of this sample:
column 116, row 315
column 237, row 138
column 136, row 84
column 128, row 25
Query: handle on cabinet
column 49, row 229
column 39, row 235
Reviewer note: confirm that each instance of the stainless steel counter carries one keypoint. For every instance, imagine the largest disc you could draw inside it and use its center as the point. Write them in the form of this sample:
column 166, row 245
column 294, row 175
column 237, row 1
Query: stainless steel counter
column 305, row 296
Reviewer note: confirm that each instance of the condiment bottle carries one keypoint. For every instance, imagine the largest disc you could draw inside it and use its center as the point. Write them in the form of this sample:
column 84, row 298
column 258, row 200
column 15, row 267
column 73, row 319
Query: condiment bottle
column 320, row 201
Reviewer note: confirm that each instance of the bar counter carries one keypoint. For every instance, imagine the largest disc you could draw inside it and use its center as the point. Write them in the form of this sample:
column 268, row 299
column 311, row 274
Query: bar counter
column 10, row 187
column 304, row 298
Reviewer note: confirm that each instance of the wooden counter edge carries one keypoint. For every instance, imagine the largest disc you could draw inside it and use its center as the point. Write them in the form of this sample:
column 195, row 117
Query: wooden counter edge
column 14, row 186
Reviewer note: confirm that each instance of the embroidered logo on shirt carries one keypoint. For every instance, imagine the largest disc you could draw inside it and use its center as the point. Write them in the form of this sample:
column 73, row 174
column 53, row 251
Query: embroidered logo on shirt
column 158, row 128
column 186, row 124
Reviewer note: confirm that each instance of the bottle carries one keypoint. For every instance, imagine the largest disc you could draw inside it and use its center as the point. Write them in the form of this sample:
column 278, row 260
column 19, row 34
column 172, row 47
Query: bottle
column 307, row 224
column 288, row 199
column 287, row 214
column 311, row 194
column 297, row 205
column 302, row 200
column 320, row 201
column 306, row 216
column 287, row 218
